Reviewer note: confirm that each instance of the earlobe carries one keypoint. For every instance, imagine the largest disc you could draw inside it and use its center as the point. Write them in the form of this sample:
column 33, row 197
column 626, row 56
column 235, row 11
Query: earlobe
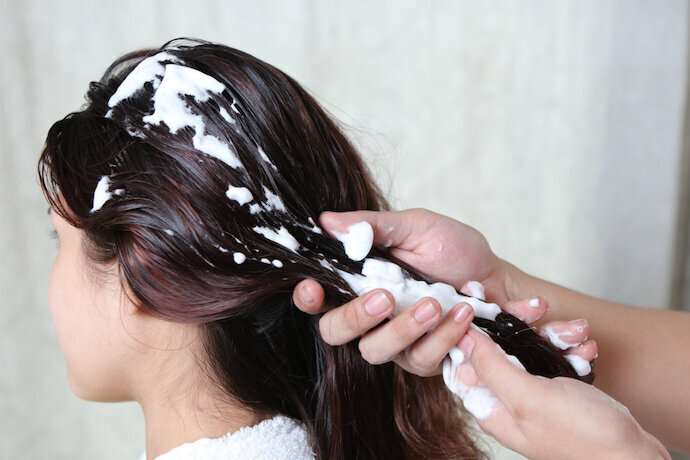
column 129, row 308
column 129, row 304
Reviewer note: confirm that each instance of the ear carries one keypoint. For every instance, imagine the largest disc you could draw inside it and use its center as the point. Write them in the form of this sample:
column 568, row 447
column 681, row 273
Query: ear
column 150, row 329
column 132, row 309
column 130, row 306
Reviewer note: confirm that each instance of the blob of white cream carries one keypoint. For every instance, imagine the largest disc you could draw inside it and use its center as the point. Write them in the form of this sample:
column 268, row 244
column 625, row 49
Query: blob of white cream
column 171, row 108
column 265, row 158
column 102, row 193
column 282, row 236
column 273, row 201
column 358, row 239
column 314, row 228
column 171, row 82
column 556, row 338
column 224, row 113
column 479, row 401
column 581, row 365
column 150, row 69
column 240, row 194
column 406, row 291
column 476, row 289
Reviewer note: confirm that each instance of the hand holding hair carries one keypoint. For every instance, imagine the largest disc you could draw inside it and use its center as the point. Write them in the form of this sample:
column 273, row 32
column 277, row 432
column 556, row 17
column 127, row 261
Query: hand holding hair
column 549, row 418
column 419, row 338
column 636, row 358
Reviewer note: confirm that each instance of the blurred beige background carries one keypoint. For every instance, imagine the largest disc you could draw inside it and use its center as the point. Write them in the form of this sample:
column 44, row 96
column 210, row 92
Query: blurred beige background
column 555, row 128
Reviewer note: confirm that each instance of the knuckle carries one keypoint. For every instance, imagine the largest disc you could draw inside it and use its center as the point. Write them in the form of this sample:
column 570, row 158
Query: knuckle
column 404, row 332
column 353, row 318
column 422, row 364
column 521, row 412
column 369, row 354
column 448, row 337
column 419, row 213
column 325, row 329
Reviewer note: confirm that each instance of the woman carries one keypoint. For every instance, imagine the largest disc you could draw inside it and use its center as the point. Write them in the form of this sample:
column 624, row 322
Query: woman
column 186, row 195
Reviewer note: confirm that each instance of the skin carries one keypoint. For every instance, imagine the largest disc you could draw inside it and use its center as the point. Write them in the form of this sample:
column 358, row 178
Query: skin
column 115, row 351
column 532, row 408
column 636, row 360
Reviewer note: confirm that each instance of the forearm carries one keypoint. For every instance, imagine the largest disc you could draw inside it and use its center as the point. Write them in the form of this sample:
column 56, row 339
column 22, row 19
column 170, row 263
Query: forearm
column 644, row 354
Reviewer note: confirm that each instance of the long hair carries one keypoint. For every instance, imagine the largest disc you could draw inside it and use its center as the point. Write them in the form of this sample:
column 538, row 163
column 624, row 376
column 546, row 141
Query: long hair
column 212, row 219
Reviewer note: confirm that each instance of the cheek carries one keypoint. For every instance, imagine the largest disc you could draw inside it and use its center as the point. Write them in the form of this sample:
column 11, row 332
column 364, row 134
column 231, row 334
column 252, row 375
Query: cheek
column 65, row 309
column 57, row 301
column 85, row 335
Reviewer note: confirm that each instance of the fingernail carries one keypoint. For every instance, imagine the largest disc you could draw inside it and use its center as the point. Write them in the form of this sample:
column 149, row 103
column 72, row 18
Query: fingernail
column 377, row 304
column 462, row 313
column 466, row 345
column 305, row 295
column 425, row 312
column 534, row 302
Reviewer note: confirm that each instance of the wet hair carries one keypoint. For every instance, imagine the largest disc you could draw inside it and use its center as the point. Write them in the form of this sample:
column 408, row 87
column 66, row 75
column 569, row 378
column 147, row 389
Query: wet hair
column 212, row 220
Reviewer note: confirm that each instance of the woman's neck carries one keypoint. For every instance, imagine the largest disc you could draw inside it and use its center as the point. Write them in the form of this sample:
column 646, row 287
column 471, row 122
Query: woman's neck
column 180, row 402
column 169, row 425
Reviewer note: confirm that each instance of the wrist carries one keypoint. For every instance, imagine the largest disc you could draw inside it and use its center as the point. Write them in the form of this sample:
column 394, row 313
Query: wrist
column 515, row 282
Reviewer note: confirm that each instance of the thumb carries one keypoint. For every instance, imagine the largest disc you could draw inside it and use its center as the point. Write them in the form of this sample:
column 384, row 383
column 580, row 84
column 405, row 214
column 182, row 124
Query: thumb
column 502, row 373
column 506, row 378
column 391, row 228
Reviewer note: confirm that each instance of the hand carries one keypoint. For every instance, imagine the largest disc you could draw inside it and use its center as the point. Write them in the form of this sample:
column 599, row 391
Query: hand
column 404, row 339
column 443, row 248
column 548, row 418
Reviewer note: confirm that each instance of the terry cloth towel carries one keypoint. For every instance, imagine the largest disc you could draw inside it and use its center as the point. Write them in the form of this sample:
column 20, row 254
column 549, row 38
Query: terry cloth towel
column 277, row 438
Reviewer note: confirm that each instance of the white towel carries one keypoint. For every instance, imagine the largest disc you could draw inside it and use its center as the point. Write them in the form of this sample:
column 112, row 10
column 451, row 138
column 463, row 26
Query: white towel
column 277, row 438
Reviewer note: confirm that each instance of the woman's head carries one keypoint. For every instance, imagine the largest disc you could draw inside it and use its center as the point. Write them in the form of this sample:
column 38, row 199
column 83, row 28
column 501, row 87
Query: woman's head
column 209, row 157
column 191, row 184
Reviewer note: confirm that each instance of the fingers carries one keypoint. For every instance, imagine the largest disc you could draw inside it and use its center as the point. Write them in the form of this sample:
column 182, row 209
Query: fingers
column 492, row 415
column 527, row 310
column 308, row 296
column 587, row 351
column 508, row 381
column 386, row 342
column 571, row 336
column 391, row 228
column 424, row 356
column 566, row 334
column 356, row 317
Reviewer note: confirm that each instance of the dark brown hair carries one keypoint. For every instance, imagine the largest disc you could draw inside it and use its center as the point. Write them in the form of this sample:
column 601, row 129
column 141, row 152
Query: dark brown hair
column 181, row 243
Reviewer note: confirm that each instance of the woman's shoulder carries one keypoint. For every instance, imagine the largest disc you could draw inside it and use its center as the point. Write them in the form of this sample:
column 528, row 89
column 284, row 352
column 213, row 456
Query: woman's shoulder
column 275, row 438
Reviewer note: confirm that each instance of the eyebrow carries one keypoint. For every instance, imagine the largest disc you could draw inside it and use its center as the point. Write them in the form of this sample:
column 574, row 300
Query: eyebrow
column 49, row 209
